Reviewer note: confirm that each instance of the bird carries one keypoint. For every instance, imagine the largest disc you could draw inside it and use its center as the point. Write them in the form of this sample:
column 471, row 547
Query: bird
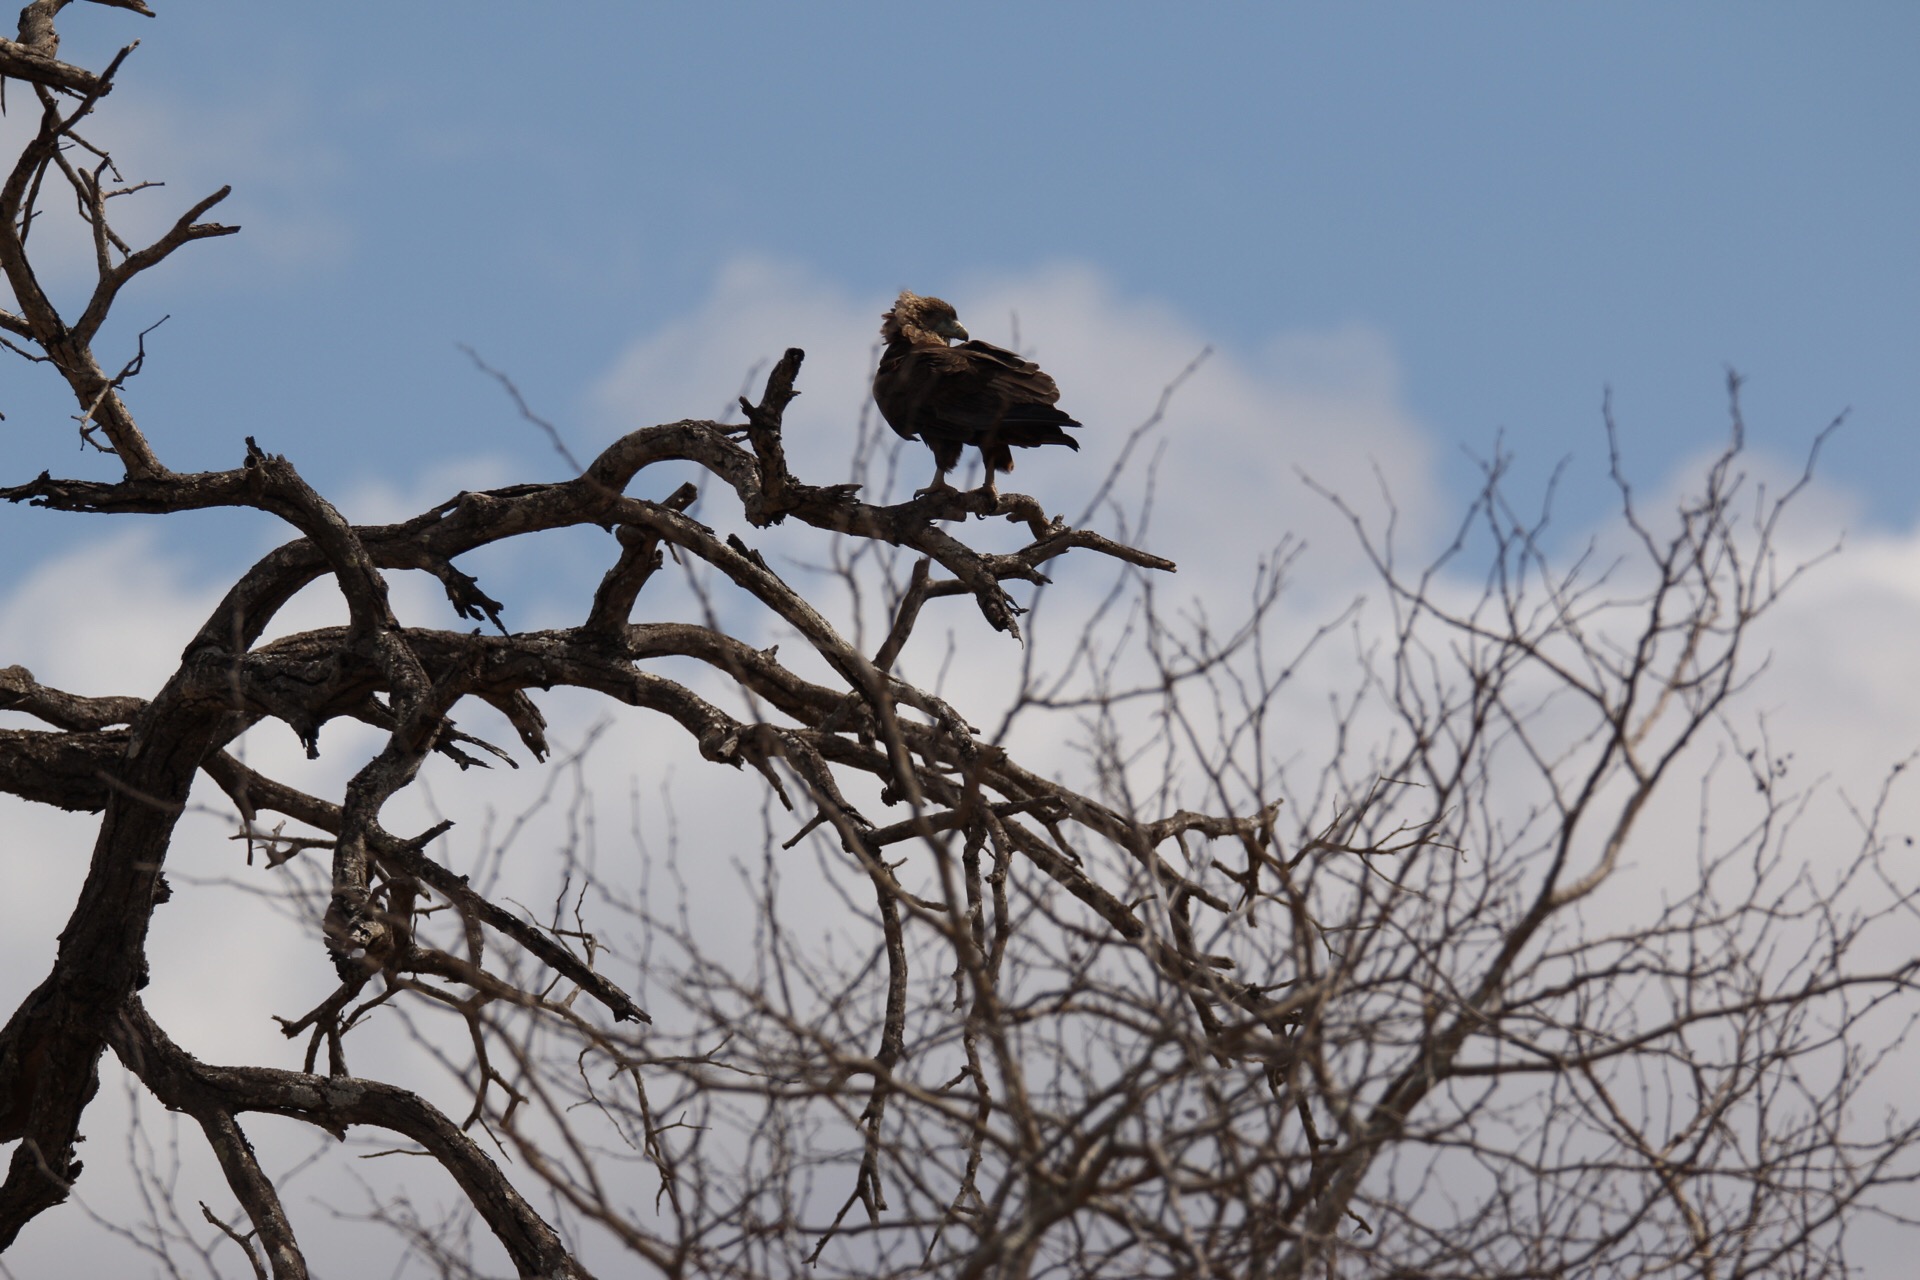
column 950, row 397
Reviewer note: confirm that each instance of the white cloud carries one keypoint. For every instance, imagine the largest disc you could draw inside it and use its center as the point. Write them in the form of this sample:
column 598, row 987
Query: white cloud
column 1325, row 403
column 695, row 367
column 1237, row 434
column 111, row 616
column 382, row 501
column 105, row 618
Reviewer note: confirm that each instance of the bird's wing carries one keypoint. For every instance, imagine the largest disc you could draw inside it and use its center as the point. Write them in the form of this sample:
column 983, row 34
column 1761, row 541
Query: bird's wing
column 900, row 387
column 975, row 393
column 977, row 389
column 1009, row 371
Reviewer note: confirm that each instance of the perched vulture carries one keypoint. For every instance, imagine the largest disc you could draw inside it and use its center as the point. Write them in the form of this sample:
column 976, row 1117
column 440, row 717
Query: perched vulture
column 951, row 397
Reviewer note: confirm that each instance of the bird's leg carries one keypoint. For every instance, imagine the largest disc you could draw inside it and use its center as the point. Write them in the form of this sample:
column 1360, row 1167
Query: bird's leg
column 939, row 484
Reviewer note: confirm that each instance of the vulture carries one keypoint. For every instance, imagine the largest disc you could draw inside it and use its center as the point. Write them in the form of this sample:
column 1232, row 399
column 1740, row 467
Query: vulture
column 951, row 397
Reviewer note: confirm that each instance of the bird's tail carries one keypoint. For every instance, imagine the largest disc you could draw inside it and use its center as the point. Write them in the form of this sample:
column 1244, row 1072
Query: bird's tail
column 1032, row 425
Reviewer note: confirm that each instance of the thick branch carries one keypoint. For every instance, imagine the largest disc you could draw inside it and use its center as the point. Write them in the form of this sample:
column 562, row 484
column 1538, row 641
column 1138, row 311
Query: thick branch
column 19, row 691
column 65, row 770
column 21, row 62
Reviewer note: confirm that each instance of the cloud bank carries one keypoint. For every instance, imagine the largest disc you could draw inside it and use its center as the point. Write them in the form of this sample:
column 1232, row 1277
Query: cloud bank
column 1223, row 467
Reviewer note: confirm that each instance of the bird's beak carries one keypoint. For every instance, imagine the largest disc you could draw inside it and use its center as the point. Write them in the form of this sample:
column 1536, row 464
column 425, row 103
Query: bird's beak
column 955, row 332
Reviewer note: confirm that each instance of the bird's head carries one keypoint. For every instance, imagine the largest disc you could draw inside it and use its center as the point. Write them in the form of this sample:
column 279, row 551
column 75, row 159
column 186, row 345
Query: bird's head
column 922, row 320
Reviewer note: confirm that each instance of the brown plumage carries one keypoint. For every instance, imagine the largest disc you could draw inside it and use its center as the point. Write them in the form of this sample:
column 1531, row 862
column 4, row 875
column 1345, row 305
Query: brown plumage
column 951, row 397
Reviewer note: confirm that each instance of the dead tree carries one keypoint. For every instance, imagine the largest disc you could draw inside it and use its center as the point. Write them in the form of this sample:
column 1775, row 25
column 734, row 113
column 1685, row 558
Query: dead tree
column 1210, row 1012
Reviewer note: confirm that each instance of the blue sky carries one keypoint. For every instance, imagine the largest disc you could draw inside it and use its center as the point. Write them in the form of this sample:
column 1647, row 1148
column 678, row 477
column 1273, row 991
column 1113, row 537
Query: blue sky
column 1526, row 205
column 1404, row 229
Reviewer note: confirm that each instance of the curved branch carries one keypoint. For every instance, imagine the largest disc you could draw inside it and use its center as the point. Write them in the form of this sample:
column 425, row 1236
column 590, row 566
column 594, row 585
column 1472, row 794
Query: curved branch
column 336, row 1104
